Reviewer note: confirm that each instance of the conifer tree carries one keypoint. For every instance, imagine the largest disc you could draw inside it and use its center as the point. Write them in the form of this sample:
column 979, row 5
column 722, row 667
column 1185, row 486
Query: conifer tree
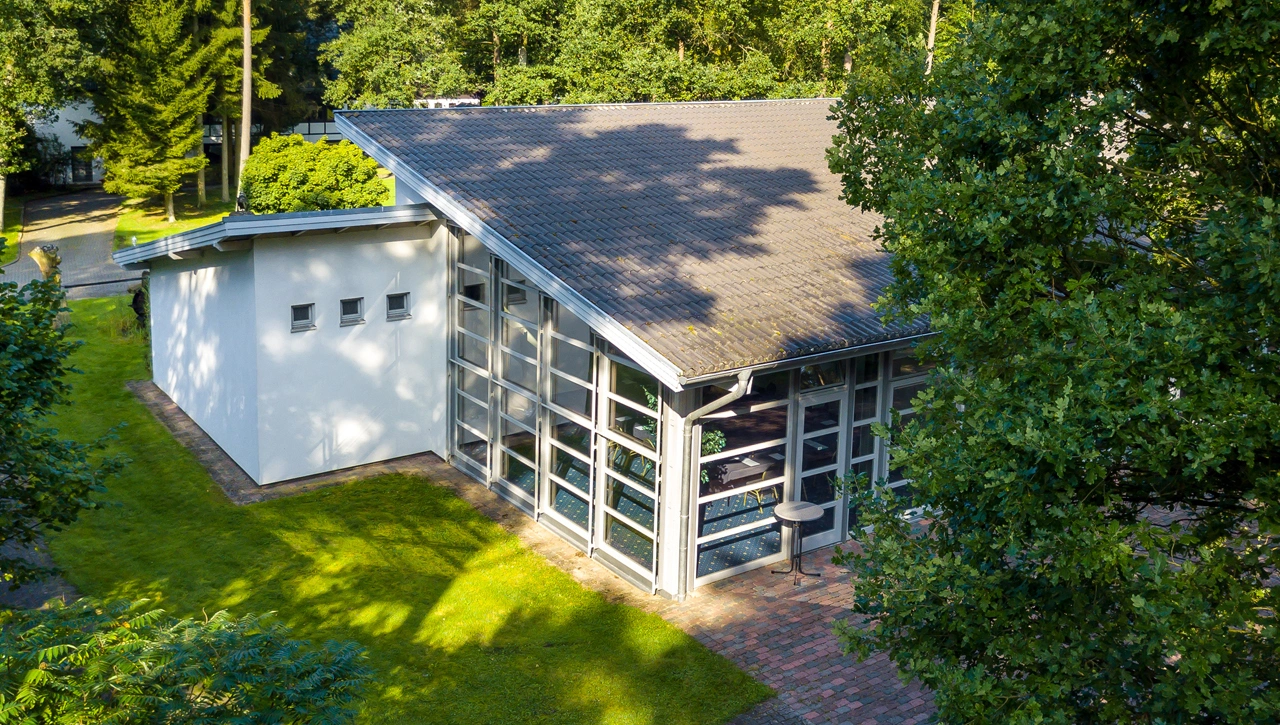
column 153, row 89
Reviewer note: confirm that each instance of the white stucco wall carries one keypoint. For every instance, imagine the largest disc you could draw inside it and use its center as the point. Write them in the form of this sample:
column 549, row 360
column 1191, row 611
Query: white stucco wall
column 203, row 352
column 63, row 128
column 336, row 397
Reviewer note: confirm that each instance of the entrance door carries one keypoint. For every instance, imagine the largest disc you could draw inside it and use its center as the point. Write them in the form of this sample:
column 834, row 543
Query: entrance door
column 821, row 440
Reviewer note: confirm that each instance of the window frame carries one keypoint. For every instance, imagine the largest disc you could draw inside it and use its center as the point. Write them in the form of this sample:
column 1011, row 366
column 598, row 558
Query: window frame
column 309, row 323
column 393, row 315
column 345, row 320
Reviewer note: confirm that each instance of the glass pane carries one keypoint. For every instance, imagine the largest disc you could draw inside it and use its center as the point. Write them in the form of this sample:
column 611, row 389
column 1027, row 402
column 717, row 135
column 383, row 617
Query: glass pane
column 301, row 314
column 567, row 324
column 571, row 435
column 864, row 441
column 518, row 474
column 473, row 351
column 567, row 503
column 633, row 424
column 521, row 408
column 630, row 542
column 818, row 526
column 740, row 549
column 520, row 302
column 743, row 470
column 474, row 286
column 738, row 510
column 630, row 502
column 351, row 308
column 866, row 468
column 820, row 451
column 519, row 371
column 473, row 252
column 640, row 388
column 571, row 396
column 477, row 386
column 572, row 469
column 472, row 446
column 569, row 358
column 819, row 488
column 864, row 403
column 473, row 318
column 473, row 414
column 820, row 376
column 905, row 363
column 633, row 466
column 765, row 388
column 519, row 337
column 902, row 396
column 727, row 430
column 821, row 416
column 519, row 440
column 866, row 368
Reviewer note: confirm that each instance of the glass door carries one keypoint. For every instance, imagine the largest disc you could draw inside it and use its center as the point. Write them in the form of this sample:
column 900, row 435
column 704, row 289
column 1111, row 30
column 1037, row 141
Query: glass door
column 821, row 434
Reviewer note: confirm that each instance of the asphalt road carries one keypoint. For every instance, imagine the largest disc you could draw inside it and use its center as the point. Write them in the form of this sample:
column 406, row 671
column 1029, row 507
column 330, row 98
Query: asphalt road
column 82, row 226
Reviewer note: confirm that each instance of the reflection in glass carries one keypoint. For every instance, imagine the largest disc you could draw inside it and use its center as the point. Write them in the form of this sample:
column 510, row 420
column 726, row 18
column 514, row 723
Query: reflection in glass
column 477, row 386
column 821, row 416
column 633, row 466
column 520, row 302
column 569, row 358
column 863, row 441
column 473, row 414
column 731, row 512
column 821, row 376
column 630, row 542
column 519, row 440
column 822, row 525
column 521, row 408
column 473, row 351
column 864, row 403
column 905, row 363
column 571, row 396
column 520, row 371
column 629, row 502
column 866, row 368
column 474, row 286
column 819, row 488
column 739, row 429
column 566, row 323
column 572, row 469
column 765, row 388
column 520, row 337
column 473, row 317
column 571, row 435
column 638, row 387
column 473, row 252
column 902, row 396
column 472, row 446
column 633, row 424
column 745, row 469
column 568, row 504
column 518, row 473
column 820, row 451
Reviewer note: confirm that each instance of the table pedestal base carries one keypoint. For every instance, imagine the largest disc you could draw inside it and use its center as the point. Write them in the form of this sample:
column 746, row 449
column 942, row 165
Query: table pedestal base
column 797, row 557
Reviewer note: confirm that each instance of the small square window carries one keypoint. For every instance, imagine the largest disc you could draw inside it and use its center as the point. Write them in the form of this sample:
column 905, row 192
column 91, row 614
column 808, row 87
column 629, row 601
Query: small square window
column 302, row 317
column 352, row 311
column 397, row 306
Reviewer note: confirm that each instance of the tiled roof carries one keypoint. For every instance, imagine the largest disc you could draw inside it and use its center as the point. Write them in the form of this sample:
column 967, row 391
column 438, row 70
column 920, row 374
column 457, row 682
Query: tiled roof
column 713, row 231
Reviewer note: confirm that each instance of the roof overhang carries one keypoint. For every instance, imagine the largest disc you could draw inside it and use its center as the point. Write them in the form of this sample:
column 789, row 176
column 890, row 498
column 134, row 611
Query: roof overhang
column 605, row 325
column 237, row 232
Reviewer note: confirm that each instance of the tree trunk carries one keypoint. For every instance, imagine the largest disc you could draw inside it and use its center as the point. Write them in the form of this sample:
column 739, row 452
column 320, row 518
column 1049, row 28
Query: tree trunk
column 497, row 47
column 226, row 159
column 168, row 206
column 200, row 189
column 933, row 31
column 680, row 49
column 524, row 55
column 246, row 96
column 3, row 180
column 848, row 61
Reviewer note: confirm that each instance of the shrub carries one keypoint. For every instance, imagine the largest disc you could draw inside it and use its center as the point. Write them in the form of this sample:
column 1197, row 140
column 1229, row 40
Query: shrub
column 288, row 173
column 123, row 663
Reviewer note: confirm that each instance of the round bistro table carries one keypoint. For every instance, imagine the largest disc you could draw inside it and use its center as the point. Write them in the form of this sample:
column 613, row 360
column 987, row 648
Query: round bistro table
column 795, row 514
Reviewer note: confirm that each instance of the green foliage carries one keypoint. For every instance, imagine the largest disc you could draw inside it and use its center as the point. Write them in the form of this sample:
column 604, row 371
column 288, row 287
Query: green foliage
column 287, row 173
column 150, row 96
column 392, row 52
column 123, row 663
column 44, row 481
column 1082, row 198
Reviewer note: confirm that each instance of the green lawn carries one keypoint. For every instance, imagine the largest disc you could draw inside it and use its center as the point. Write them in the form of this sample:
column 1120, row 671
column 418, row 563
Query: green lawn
column 462, row 624
column 146, row 219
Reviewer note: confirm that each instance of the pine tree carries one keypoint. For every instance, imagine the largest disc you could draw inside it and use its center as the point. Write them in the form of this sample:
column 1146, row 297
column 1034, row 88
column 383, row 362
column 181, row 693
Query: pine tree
column 154, row 87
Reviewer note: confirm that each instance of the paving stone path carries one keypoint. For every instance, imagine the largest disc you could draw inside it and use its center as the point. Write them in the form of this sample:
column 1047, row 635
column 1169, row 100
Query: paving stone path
column 779, row 633
column 82, row 226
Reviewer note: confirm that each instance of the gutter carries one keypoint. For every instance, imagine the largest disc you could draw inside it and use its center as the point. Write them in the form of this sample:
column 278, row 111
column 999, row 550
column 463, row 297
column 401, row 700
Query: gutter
column 738, row 390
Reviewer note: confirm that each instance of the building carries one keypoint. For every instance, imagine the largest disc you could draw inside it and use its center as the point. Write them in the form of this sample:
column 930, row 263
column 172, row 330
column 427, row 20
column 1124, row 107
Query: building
column 643, row 324
column 80, row 170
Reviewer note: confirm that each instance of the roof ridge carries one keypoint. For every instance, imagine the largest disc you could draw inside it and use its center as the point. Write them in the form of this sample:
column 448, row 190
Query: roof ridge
column 569, row 106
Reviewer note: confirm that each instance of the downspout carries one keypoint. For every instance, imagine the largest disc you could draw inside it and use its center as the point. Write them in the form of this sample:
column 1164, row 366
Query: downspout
column 737, row 391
